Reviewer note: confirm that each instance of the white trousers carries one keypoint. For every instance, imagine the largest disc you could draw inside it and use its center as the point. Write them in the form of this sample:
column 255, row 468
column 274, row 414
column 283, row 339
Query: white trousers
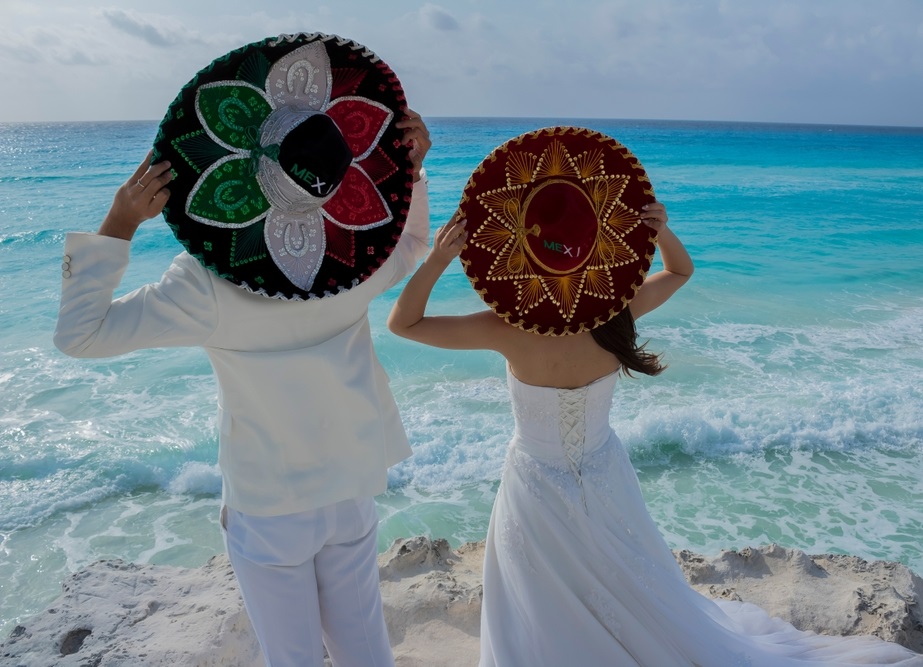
column 310, row 580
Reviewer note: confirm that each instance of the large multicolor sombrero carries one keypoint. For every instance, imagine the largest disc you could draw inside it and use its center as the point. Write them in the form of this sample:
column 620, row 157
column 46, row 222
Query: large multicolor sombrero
column 290, row 178
column 555, row 245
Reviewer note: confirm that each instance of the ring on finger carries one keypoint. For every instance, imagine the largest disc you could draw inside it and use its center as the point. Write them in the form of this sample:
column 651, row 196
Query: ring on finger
column 140, row 184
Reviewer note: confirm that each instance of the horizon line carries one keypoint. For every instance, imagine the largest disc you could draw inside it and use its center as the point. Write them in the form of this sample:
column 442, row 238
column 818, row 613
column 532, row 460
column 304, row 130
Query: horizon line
column 543, row 118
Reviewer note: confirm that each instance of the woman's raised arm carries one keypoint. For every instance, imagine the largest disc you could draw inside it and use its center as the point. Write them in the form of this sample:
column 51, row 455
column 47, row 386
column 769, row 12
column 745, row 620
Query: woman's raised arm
column 677, row 264
column 408, row 319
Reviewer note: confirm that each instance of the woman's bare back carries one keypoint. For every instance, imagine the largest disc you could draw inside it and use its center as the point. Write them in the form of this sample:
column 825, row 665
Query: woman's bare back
column 558, row 361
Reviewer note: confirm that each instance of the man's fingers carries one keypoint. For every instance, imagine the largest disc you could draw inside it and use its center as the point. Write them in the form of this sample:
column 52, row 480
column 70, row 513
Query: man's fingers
column 159, row 168
column 162, row 177
column 142, row 168
column 415, row 134
column 157, row 202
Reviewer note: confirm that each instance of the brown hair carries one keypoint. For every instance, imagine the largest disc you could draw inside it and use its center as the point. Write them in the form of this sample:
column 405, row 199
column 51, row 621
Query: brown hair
column 620, row 337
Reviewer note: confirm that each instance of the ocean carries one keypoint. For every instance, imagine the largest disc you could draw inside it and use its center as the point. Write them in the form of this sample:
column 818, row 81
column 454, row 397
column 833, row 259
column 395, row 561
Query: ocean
column 791, row 411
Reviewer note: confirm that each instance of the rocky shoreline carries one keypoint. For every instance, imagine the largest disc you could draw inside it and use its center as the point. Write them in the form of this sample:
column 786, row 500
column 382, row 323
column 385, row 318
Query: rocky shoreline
column 118, row 614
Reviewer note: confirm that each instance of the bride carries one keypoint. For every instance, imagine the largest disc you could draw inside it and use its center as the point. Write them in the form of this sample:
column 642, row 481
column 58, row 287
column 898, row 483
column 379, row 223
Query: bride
column 575, row 570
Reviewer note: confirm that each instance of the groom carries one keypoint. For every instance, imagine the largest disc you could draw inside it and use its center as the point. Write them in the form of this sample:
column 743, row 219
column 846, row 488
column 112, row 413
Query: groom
column 307, row 422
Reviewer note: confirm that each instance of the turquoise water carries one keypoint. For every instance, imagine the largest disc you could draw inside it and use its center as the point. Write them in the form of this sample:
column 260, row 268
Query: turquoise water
column 792, row 411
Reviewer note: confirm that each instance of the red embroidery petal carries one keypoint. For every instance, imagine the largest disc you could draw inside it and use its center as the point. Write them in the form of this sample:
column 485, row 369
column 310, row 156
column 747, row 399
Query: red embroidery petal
column 378, row 165
column 361, row 121
column 345, row 81
column 341, row 243
column 357, row 202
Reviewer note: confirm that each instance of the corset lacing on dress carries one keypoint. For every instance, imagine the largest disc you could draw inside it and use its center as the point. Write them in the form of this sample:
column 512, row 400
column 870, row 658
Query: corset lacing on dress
column 572, row 426
column 562, row 426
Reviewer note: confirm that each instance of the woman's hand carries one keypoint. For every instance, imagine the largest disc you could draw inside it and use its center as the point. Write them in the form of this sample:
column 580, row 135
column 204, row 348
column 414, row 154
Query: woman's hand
column 416, row 136
column 140, row 198
column 449, row 240
column 654, row 215
column 677, row 264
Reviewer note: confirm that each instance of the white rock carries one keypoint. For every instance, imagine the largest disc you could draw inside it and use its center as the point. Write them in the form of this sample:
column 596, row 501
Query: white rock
column 117, row 614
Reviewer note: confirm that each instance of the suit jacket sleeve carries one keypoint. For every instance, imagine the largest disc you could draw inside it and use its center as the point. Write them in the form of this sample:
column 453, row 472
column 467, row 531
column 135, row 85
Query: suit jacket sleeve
column 177, row 311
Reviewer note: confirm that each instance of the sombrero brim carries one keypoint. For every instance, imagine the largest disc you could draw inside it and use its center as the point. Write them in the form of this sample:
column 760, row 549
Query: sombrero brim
column 555, row 244
column 249, row 216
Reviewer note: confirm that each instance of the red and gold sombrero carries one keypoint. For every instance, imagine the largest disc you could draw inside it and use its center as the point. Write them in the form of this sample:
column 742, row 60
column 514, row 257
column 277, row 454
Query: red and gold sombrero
column 555, row 244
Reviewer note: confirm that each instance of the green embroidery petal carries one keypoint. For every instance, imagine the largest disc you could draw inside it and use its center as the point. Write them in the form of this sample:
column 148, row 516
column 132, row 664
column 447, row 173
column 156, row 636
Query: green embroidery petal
column 227, row 195
column 232, row 112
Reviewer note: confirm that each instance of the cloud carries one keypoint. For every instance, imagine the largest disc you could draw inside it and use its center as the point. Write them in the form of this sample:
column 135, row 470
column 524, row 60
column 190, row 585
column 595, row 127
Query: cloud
column 137, row 26
column 823, row 61
column 77, row 57
column 439, row 18
column 18, row 50
column 36, row 46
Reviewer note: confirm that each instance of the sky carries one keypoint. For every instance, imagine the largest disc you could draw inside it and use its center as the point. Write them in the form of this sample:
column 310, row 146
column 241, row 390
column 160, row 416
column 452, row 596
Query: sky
column 854, row 62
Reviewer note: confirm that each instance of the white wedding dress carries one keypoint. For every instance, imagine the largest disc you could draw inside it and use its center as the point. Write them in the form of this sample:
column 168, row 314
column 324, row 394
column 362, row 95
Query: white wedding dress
column 576, row 573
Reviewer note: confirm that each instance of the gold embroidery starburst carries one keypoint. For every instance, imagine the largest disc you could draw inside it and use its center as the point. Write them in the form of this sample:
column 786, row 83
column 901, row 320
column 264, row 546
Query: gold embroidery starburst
column 504, row 235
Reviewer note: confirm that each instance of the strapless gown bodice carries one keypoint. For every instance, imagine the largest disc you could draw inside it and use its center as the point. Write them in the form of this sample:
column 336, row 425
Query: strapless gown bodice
column 554, row 423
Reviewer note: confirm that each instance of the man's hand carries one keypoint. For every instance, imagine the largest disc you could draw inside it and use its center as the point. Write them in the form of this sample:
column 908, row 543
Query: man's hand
column 140, row 198
column 416, row 136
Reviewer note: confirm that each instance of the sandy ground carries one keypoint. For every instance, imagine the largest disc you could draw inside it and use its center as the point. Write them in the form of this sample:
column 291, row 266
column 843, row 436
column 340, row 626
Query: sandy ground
column 115, row 613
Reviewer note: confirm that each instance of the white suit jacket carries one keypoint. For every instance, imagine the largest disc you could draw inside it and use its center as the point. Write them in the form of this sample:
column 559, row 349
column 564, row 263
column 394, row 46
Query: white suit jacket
column 305, row 413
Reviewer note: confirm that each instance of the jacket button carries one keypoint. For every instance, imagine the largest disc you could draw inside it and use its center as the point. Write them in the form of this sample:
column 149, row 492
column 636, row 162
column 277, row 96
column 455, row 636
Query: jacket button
column 66, row 274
